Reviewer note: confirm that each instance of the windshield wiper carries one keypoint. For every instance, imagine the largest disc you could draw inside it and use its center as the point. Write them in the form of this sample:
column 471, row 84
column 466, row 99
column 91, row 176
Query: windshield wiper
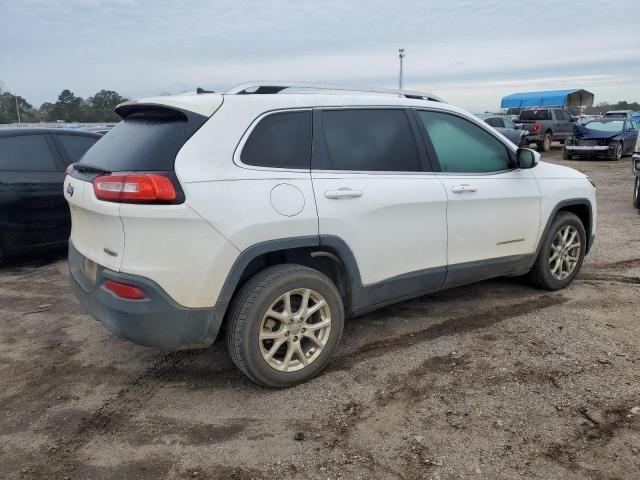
column 85, row 167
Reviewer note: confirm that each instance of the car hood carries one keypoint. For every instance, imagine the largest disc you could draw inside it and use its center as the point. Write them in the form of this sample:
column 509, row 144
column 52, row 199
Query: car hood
column 582, row 132
column 550, row 170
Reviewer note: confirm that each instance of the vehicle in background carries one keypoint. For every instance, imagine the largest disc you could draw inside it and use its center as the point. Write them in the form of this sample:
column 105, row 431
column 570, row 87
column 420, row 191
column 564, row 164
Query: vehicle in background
column 603, row 137
column 271, row 218
column 100, row 130
column 33, row 211
column 636, row 117
column 636, row 173
column 507, row 127
column 546, row 125
column 618, row 114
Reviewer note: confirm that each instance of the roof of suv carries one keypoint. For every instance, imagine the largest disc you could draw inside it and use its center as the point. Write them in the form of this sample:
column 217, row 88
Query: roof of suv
column 273, row 96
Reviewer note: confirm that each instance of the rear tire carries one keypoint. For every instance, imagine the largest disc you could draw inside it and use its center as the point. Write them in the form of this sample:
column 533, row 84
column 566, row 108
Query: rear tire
column 270, row 335
column 636, row 193
column 546, row 142
column 562, row 253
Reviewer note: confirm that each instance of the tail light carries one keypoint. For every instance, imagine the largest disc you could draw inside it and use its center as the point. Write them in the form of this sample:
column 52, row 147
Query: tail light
column 537, row 128
column 135, row 188
column 124, row 290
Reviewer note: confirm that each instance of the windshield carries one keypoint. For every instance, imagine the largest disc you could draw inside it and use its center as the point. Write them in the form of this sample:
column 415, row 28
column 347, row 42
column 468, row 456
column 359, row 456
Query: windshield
column 615, row 126
column 535, row 115
column 148, row 139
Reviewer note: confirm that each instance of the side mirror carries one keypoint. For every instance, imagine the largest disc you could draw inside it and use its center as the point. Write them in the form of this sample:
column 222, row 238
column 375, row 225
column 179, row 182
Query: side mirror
column 527, row 158
column 517, row 127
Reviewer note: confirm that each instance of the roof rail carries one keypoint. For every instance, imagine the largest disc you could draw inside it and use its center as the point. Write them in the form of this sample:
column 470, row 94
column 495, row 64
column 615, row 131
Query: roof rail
column 255, row 88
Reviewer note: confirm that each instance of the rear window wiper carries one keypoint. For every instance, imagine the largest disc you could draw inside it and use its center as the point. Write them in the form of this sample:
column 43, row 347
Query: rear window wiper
column 85, row 167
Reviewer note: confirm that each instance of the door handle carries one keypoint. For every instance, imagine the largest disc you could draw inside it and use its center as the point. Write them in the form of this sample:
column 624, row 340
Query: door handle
column 465, row 188
column 342, row 193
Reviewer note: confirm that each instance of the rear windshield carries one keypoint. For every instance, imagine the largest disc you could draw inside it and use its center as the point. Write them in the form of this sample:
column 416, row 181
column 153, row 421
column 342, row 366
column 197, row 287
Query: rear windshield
column 145, row 140
column 535, row 115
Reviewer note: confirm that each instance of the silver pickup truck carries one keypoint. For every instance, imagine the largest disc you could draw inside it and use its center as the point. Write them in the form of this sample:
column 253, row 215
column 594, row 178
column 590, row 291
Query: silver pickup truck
column 546, row 125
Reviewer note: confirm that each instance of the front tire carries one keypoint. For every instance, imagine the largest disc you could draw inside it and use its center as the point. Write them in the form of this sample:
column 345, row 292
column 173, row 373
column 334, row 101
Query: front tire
column 636, row 193
column 617, row 152
column 562, row 253
column 566, row 155
column 284, row 325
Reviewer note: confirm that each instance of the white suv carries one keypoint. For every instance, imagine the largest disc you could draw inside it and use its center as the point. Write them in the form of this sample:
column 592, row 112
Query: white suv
column 270, row 213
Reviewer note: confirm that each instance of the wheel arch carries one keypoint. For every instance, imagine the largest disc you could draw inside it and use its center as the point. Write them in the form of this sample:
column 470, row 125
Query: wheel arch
column 582, row 208
column 328, row 254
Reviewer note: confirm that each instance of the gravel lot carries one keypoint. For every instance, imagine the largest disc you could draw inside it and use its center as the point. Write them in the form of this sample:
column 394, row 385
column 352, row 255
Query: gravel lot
column 495, row 380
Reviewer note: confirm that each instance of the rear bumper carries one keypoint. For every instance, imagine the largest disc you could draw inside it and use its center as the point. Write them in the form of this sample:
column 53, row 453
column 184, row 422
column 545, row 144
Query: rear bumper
column 156, row 321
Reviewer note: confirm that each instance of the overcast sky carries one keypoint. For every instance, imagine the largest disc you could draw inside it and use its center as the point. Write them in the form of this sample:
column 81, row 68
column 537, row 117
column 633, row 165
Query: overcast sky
column 469, row 52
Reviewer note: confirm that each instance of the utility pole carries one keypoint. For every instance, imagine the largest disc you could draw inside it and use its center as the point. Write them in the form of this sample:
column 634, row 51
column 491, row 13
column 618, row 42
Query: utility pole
column 401, row 57
column 17, row 109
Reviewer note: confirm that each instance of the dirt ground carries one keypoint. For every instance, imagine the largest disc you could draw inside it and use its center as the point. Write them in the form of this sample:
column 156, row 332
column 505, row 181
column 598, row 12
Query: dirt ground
column 495, row 380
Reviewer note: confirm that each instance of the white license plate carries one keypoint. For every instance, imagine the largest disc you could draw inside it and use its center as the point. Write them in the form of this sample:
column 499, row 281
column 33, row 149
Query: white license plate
column 90, row 270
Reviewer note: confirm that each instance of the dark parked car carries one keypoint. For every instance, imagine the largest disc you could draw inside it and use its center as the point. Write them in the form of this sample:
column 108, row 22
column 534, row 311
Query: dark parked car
column 33, row 210
column 508, row 128
column 546, row 125
column 602, row 137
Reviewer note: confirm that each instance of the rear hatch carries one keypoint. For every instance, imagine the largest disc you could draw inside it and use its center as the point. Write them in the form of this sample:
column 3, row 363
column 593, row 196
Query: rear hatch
column 133, row 163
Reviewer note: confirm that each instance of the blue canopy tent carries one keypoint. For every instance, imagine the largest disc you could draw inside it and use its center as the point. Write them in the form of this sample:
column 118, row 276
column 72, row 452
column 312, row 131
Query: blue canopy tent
column 549, row 98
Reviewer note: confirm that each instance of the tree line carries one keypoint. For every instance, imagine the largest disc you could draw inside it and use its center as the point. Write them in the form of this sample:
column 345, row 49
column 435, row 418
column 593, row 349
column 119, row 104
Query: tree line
column 68, row 108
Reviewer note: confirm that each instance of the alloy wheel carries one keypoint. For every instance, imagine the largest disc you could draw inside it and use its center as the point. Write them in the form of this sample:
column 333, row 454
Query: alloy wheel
column 294, row 330
column 564, row 252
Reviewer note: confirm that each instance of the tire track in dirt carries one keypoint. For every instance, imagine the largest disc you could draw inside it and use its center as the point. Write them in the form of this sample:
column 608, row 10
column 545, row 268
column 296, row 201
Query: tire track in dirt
column 608, row 277
column 630, row 263
column 114, row 413
column 451, row 326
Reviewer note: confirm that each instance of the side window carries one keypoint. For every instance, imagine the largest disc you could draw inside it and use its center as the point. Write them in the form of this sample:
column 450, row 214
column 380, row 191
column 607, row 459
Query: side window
column 495, row 122
column 462, row 146
column 75, row 146
column 29, row 153
column 508, row 123
column 280, row 140
column 379, row 140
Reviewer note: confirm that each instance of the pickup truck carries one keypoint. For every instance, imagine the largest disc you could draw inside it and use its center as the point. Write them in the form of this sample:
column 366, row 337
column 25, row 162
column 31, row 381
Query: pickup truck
column 546, row 125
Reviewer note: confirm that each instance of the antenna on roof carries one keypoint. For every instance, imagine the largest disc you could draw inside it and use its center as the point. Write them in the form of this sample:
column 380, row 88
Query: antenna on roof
column 401, row 57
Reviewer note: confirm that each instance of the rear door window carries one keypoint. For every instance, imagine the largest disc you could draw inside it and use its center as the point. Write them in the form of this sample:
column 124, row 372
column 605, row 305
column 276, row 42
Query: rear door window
column 30, row 153
column 280, row 140
column 75, row 146
column 379, row 140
